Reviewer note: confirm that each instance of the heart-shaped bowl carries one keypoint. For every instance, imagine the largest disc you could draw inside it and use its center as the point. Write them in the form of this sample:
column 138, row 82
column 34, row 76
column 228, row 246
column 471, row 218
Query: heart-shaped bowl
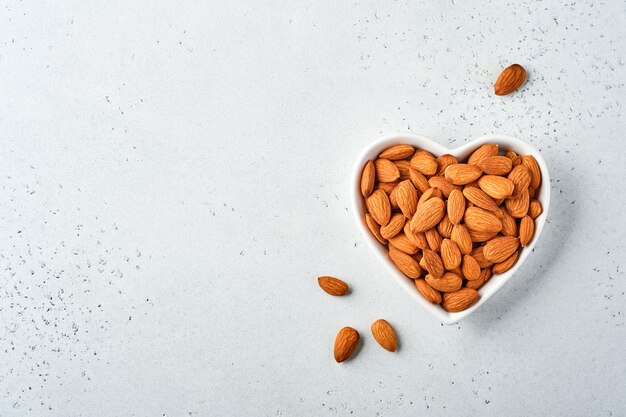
column 462, row 153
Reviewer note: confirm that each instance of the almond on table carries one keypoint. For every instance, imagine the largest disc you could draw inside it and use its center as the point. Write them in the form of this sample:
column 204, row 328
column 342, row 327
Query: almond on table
column 450, row 224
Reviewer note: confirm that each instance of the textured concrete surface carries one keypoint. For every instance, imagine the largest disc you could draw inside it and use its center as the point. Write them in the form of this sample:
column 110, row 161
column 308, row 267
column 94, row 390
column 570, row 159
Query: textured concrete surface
column 174, row 176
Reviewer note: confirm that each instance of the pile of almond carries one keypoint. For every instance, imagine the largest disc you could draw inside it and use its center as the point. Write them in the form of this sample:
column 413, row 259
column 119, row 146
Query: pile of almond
column 449, row 225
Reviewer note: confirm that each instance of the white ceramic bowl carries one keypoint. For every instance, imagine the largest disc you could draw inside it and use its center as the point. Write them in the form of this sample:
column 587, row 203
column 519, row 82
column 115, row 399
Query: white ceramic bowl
column 420, row 142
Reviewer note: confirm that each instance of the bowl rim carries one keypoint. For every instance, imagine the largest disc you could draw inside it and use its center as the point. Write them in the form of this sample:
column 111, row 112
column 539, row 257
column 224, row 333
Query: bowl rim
column 372, row 150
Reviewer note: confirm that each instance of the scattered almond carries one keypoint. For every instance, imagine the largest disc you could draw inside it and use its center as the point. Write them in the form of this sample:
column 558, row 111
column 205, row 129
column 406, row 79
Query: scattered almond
column 346, row 343
column 333, row 286
column 510, row 80
column 384, row 334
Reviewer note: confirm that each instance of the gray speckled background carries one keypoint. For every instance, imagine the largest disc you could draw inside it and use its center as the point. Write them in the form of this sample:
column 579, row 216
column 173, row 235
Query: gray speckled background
column 174, row 176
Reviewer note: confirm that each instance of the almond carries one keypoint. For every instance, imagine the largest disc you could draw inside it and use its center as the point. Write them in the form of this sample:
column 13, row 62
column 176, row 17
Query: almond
column 404, row 167
column 470, row 268
column 379, row 207
column 434, row 239
column 518, row 206
column 368, row 176
column 479, row 220
column 427, row 291
column 450, row 254
column 345, row 343
column 479, row 256
column 500, row 248
column 456, row 206
column 386, row 171
column 419, row 180
column 479, row 237
column 526, row 230
column 445, row 161
column 484, row 276
column 494, row 186
column 511, row 155
column 424, row 163
column 392, row 199
column 530, row 162
column 496, row 165
column 401, row 242
column 384, row 334
column 374, row 228
column 459, row 300
column 534, row 209
column 443, row 185
column 395, row 225
column 448, row 282
column 510, row 80
column 406, row 196
column 405, row 263
column 445, row 227
column 430, row 193
column 433, row 263
column 505, row 265
column 428, row 214
column 479, row 198
column 509, row 227
column 333, row 286
column 461, row 237
column 397, row 152
column 461, row 174
column 485, row 151
column 520, row 177
column 418, row 239
column 387, row 187
column 531, row 192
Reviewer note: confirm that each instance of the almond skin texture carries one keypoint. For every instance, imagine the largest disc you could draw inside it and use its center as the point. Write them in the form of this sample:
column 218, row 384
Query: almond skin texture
column 434, row 239
column 496, row 165
column 430, row 193
column 461, row 237
column 450, row 254
column 433, row 263
column 505, row 265
column 419, row 180
column 485, row 151
column 518, row 206
column 445, row 227
column 418, row 239
column 456, row 206
column 424, row 163
column 449, row 282
column 461, row 174
column 395, row 225
column 520, row 176
column 470, row 269
column 401, row 242
column 530, row 162
column 397, row 152
column 500, row 248
column 480, row 199
column 479, row 256
column 384, row 335
column 374, row 228
column 479, row 237
column 534, row 209
column 479, row 220
column 443, row 185
column 459, row 300
column 509, row 227
column 428, row 214
column 368, row 176
column 406, row 197
column 445, row 161
column 526, row 230
column 427, row 291
column 495, row 186
column 510, row 80
column 379, row 207
column 405, row 263
column 405, row 169
column 485, row 274
column 392, row 200
column 345, row 343
column 333, row 286
column 386, row 171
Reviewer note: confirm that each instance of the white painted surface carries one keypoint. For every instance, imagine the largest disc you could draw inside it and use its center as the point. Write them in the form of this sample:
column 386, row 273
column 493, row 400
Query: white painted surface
column 175, row 176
